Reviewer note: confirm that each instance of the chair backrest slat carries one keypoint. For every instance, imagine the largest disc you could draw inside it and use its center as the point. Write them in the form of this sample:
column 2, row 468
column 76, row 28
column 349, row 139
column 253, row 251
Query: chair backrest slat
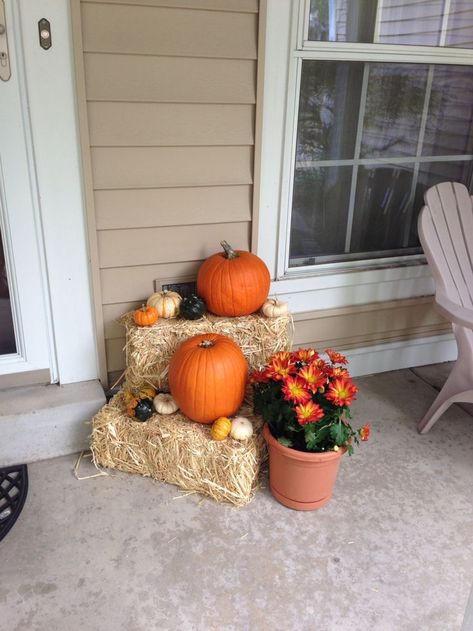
column 446, row 233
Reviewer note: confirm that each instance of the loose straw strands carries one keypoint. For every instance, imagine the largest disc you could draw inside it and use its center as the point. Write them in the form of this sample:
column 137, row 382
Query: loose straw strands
column 149, row 349
column 173, row 449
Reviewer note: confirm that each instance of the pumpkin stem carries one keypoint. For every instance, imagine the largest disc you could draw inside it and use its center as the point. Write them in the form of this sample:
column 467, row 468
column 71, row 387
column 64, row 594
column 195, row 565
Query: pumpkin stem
column 229, row 251
column 206, row 344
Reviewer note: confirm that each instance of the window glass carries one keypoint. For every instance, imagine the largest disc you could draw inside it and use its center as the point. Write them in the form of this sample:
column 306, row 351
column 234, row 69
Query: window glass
column 449, row 121
column 328, row 110
column 411, row 22
column 394, row 103
column 398, row 22
column 371, row 138
column 382, row 209
column 320, row 207
column 460, row 24
column 342, row 20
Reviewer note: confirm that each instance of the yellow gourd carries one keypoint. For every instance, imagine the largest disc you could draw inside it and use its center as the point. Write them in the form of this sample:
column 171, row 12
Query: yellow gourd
column 221, row 428
column 147, row 392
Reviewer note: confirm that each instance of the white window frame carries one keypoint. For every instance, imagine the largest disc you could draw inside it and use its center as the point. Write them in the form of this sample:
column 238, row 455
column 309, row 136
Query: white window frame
column 285, row 44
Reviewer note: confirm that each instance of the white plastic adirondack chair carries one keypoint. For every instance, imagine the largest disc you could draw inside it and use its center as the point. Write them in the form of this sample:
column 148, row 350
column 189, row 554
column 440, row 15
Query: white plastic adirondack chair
column 446, row 234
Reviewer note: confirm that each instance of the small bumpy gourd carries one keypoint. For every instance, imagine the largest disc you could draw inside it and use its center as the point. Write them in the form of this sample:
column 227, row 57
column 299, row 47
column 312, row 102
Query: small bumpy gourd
column 166, row 303
column 145, row 316
column 140, row 409
column 192, row 307
column 165, row 404
column 242, row 428
column 274, row 308
column 221, row 428
column 147, row 392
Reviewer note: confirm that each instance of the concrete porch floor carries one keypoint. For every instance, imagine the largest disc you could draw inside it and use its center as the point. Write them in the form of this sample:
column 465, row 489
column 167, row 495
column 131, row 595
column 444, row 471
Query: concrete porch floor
column 393, row 550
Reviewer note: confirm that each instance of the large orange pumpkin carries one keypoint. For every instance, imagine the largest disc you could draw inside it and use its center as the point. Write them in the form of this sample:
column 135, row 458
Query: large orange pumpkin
column 233, row 282
column 207, row 377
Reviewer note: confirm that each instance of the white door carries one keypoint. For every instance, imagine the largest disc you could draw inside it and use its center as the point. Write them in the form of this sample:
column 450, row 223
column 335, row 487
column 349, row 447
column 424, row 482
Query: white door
column 25, row 338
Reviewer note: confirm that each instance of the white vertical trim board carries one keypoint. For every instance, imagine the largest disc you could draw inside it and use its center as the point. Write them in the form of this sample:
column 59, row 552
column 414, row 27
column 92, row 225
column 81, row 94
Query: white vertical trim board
column 52, row 103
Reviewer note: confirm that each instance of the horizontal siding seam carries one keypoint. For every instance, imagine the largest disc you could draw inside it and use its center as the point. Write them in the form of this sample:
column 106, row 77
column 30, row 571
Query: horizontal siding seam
column 184, row 7
column 170, row 188
column 145, row 188
column 233, row 103
column 168, row 56
column 186, row 146
column 174, row 225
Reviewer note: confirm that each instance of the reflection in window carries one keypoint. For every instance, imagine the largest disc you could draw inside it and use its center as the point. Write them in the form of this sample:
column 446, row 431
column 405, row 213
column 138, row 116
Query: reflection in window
column 371, row 138
column 382, row 207
column 401, row 22
column 449, row 121
column 328, row 110
column 320, row 207
column 7, row 333
column 394, row 103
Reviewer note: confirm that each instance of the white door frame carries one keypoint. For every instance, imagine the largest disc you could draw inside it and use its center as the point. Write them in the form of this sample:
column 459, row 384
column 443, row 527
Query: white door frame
column 51, row 131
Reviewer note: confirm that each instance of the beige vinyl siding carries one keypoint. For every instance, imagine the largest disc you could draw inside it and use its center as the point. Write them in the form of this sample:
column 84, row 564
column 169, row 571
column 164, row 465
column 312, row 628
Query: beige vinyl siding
column 365, row 325
column 170, row 90
column 203, row 204
column 170, row 124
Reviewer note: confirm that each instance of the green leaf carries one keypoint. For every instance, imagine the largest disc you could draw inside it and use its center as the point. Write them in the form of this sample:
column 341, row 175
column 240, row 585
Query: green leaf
column 310, row 437
column 338, row 433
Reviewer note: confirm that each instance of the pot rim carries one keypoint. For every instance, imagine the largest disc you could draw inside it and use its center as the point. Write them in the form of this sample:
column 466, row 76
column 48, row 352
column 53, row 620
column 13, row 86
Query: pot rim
column 295, row 454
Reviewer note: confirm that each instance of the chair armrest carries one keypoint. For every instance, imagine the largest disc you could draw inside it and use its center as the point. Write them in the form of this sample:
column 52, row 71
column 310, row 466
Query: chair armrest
column 454, row 312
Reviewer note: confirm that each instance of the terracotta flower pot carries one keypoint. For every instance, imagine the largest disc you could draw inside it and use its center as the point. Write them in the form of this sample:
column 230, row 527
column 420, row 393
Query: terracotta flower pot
column 298, row 479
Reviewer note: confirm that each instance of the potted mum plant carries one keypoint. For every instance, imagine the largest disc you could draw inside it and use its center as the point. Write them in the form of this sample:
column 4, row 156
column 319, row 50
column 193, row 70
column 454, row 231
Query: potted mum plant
column 305, row 401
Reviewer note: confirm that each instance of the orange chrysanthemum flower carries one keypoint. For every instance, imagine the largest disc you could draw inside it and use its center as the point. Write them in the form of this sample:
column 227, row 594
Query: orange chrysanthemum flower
column 280, row 367
column 341, row 391
column 259, row 376
column 338, row 371
column 308, row 412
column 365, row 432
column 336, row 358
column 294, row 389
column 305, row 355
column 313, row 377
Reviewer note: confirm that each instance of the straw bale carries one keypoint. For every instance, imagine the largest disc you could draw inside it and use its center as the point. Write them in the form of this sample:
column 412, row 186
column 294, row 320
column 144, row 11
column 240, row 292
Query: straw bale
column 149, row 349
column 173, row 449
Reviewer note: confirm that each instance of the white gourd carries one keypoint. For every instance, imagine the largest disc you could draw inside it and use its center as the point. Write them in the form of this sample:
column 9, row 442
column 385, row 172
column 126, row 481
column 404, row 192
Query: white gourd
column 164, row 404
column 167, row 303
column 274, row 308
column 242, row 428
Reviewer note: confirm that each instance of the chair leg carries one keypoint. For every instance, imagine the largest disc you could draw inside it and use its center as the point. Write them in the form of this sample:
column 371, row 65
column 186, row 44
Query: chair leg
column 455, row 390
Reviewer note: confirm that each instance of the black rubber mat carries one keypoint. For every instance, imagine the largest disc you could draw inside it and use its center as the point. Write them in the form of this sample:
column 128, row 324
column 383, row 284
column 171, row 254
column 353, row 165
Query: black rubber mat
column 13, row 491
